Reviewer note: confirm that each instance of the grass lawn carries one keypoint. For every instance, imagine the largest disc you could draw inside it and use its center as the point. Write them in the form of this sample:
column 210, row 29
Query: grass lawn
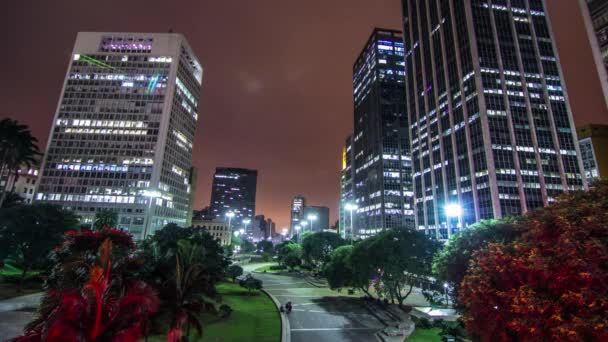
column 254, row 318
column 425, row 335
column 8, row 289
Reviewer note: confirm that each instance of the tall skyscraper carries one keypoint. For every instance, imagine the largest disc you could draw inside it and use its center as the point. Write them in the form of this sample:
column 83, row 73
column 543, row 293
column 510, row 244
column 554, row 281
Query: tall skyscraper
column 234, row 191
column 381, row 143
column 297, row 213
column 491, row 134
column 122, row 135
column 347, row 189
column 595, row 16
column 594, row 151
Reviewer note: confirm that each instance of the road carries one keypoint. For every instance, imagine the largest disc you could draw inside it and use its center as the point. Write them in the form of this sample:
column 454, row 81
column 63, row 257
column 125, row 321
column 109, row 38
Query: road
column 320, row 314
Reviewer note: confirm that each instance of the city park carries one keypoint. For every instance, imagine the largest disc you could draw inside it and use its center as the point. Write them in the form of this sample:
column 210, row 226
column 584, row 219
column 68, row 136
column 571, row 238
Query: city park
column 538, row 277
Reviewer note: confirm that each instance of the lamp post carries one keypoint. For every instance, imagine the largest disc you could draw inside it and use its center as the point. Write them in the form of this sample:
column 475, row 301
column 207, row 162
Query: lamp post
column 298, row 227
column 303, row 224
column 246, row 222
column 151, row 194
column 311, row 218
column 229, row 215
column 351, row 207
column 453, row 210
column 447, row 298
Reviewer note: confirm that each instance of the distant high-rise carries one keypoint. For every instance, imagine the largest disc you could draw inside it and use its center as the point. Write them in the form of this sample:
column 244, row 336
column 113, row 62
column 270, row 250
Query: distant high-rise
column 122, row 134
column 297, row 213
column 491, row 130
column 382, row 164
column 594, row 151
column 234, row 191
column 347, row 189
column 595, row 15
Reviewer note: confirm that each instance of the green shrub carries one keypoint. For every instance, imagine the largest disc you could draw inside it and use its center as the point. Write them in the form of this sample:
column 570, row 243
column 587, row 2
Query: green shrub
column 422, row 323
column 277, row 267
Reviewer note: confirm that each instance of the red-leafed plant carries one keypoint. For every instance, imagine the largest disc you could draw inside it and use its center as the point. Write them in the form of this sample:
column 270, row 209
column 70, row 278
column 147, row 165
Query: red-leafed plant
column 551, row 284
column 106, row 307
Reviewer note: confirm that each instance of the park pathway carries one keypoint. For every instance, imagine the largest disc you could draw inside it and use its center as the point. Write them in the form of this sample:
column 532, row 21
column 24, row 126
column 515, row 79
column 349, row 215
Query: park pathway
column 320, row 314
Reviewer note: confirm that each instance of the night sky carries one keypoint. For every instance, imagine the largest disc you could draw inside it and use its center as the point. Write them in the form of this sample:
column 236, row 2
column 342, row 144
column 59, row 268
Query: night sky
column 277, row 89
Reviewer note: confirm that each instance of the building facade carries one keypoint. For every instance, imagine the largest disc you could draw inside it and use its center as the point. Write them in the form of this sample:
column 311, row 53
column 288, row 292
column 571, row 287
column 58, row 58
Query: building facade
column 219, row 229
column 491, row 129
column 382, row 176
column 234, row 190
column 347, row 189
column 122, row 134
column 297, row 213
column 595, row 16
column 593, row 140
column 319, row 224
column 22, row 184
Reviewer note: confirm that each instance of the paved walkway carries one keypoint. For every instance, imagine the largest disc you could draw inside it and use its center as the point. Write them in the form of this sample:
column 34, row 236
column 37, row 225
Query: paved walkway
column 320, row 314
column 15, row 313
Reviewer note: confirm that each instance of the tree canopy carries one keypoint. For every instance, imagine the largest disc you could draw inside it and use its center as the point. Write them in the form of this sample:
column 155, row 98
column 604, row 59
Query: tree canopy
column 317, row 248
column 29, row 232
column 551, row 284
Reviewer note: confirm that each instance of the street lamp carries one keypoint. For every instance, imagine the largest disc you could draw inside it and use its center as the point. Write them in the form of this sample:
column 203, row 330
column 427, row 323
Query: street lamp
column 453, row 210
column 304, row 224
column 298, row 227
column 229, row 215
column 151, row 194
column 445, row 289
column 351, row 207
column 311, row 218
column 246, row 222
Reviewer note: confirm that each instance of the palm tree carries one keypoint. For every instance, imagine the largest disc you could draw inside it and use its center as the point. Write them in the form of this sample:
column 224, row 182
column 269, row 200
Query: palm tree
column 18, row 149
column 105, row 218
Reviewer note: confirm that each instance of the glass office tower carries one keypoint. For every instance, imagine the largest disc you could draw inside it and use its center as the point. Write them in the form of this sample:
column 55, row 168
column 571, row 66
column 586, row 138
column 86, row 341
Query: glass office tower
column 122, row 135
column 491, row 130
column 234, row 190
column 381, row 143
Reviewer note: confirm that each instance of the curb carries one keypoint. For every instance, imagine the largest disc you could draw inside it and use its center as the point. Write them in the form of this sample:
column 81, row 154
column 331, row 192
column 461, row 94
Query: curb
column 285, row 329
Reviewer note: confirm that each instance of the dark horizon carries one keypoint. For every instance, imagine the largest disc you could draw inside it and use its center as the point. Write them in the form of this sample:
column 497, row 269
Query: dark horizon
column 277, row 86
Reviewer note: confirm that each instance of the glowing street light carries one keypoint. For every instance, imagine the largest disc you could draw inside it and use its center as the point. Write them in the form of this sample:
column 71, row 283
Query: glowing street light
column 229, row 215
column 246, row 222
column 311, row 218
column 304, row 224
column 151, row 194
column 351, row 207
column 447, row 298
column 453, row 210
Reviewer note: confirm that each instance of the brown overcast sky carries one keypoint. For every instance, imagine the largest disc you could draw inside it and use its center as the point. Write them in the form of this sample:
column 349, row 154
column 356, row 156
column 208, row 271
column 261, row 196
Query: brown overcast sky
column 277, row 92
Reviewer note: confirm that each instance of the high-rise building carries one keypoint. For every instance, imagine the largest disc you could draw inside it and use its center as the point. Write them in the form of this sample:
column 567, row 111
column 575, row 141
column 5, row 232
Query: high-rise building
column 595, row 15
column 593, row 140
column 260, row 226
column 319, row 223
column 381, row 143
column 297, row 213
column 122, row 134
column 193, row 176
column 347, row 190
column 491, row 130
column 234, row 191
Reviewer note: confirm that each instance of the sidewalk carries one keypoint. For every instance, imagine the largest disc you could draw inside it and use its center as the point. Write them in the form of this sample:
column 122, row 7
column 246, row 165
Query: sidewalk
column 16, row 312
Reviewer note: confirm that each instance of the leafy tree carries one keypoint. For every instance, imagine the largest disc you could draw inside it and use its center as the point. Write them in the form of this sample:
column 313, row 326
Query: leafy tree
column 289, row 254
column 234, row 271
column 18, row 149
column 247, row 246
column 338, row 270
column 451, row 263
column 105, row 218
column 265, row 246
column 317, row 248
column 91, row 299
column 404, row 258
column 550, row 284
column 29, row 233
column 251, row 283
column 363, row 267
column 12, row 199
